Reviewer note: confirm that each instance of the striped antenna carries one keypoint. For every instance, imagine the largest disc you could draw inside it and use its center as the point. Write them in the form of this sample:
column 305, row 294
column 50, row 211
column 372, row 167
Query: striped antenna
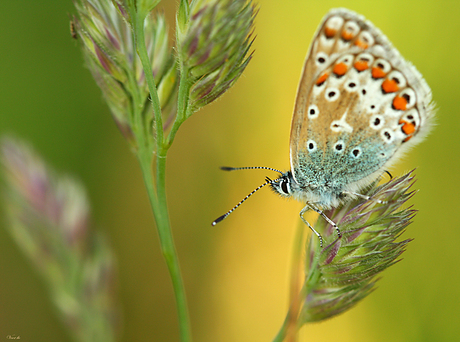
column 228, row 168
column 267, row 182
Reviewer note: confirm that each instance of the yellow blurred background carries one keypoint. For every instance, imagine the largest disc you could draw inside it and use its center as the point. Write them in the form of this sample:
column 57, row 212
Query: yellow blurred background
column 236, row 274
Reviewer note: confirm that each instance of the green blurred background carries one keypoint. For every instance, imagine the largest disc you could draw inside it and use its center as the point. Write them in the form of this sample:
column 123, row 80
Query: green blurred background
column 236, row 274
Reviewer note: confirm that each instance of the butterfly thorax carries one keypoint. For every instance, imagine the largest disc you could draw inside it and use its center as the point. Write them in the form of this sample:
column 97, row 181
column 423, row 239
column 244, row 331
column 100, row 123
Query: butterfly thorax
column 322, row 191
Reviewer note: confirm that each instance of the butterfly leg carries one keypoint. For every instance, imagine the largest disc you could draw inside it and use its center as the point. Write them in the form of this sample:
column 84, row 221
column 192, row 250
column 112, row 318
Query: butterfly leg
column 367, row 198
column 305, row 209
column 332, row 223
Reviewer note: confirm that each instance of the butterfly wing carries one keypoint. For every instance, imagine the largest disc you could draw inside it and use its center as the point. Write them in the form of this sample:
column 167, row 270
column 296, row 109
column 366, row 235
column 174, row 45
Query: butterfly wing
column 359, row 104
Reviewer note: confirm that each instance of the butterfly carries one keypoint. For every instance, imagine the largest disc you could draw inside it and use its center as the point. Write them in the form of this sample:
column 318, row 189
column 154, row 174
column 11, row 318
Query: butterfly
column 359, row 107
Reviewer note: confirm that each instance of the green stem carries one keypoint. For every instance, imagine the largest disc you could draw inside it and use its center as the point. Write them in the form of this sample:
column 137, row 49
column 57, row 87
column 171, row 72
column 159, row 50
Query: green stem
column 182, row 102
column 160, row 211
column 283, row 331
column 170, row 254
column 157, row 195
column 146, row 65
column 293, row 312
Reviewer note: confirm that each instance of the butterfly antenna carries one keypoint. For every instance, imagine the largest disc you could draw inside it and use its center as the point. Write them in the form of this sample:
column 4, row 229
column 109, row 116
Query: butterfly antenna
column 228, row 168
column 267, row 181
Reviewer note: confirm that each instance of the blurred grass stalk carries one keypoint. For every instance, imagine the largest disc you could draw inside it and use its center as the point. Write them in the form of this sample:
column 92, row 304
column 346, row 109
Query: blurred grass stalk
column 344, row 272
column 151, row 91
column 49, row 220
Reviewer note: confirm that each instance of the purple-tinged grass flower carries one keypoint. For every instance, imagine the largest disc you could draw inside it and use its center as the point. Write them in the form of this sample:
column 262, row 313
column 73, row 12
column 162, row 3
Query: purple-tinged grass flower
column 110, row 54
column 143, row 6
column 122, row 7
column 344, row 271
column 213, row 43
column 48, row 217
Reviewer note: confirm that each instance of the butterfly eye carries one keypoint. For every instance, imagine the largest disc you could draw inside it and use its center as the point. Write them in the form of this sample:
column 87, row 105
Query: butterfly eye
column 284, row 186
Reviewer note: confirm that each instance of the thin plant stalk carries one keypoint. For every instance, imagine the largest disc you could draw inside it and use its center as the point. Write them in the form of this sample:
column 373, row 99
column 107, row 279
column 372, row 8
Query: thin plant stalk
column 289, row 328
column 157, row 195
column 182, row 100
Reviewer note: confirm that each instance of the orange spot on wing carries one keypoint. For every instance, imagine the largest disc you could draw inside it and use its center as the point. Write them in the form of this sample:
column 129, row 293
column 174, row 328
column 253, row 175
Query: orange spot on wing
column 378, row 72
column 410, row 136
column 329, row 32
column 361, row 65
column 399, row 103
column 390, row 86
column 340, row 69
column 361, row 44
column 346, row 35
column 322, row 79
column 407, row 127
